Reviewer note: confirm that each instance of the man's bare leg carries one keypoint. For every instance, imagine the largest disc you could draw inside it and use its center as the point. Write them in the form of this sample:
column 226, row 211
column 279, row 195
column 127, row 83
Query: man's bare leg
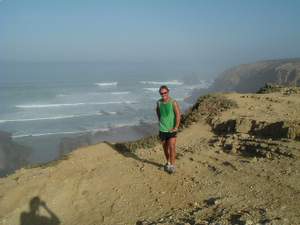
column 166, row 150
column 172, row 149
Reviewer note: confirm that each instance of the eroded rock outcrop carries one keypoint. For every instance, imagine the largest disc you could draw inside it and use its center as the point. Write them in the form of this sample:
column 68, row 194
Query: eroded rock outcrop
column 254, row 138
column 275, row 130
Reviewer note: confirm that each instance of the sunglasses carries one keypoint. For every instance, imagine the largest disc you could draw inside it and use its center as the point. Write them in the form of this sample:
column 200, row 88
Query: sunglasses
column 163, row 93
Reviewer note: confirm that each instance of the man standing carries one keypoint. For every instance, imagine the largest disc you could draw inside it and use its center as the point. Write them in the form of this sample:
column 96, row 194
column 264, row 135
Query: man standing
column 168, row 114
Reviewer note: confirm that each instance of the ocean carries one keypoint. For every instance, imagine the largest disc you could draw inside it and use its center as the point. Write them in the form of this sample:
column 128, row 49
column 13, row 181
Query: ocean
column 39, row 102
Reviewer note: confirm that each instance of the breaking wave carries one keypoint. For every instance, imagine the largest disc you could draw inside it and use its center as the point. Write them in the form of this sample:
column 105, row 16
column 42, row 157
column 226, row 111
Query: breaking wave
column 171, row 82
column 56, row 117
column 58, row 133
column 151, row 89
column 73, row 104
column 107, row 84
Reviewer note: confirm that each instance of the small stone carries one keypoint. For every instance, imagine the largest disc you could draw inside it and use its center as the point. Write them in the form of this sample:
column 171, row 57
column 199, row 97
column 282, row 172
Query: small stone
column 196, row 204
column 283, row 207
column 234, row 150
column 254, row 159
column 217, row 201
column 215, row 144
column 268, row 155
column 228, row 141
column 249, row 222
column 243, row 135
column 263, row 145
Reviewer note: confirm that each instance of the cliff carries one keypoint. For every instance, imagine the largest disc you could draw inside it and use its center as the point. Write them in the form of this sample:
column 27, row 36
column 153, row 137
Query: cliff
column 12, row 155
column 250, row 77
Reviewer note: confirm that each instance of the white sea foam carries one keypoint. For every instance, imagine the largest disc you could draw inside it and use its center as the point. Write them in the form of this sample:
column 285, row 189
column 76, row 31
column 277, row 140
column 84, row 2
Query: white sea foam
column 73, row 104
column 52, row 118
column 152, row 89
column 171, row 82
column 49, row 133
column 60, row 133
column 49, row 105
column 120, row 125
column 111, row 113
column 120, row 93
column 108, row 113
column 62, row 95
column 95, row 93
column 99, row 129
column 107, row 84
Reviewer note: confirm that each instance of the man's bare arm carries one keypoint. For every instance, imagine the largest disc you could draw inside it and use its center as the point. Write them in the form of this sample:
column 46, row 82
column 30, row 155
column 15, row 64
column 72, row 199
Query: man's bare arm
column 177, row 114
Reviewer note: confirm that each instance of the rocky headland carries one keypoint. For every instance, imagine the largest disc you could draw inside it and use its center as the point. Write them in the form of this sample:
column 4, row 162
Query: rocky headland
column 251, row 77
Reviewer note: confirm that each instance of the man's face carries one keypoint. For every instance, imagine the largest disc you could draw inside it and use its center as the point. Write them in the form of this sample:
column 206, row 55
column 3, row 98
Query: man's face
column 164, row 93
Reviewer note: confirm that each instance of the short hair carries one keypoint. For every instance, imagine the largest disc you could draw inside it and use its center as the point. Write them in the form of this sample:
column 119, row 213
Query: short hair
column 163, row 87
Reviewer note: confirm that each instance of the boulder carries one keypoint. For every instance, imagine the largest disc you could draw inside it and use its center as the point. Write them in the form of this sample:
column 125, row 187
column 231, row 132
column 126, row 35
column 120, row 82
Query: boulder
column 243, row 125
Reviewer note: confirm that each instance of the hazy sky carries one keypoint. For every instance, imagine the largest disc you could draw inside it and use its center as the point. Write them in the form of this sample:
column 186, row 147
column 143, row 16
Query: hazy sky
column 200, row 31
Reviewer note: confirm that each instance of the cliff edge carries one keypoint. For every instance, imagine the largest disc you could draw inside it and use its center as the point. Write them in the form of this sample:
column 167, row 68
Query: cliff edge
column 237, row 163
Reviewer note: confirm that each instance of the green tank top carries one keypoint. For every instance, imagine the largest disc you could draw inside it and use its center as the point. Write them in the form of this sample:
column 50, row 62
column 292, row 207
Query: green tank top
column 167, row 116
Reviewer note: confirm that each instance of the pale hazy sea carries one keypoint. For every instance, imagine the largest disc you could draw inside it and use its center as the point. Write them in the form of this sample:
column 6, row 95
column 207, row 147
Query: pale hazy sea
column 47, row 101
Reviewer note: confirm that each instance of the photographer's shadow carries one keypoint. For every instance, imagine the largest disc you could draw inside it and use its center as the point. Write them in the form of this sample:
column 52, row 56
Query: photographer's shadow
column 33, row 217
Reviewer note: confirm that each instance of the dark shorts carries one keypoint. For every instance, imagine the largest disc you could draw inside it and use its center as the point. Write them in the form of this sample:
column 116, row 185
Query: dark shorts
column 164, row 136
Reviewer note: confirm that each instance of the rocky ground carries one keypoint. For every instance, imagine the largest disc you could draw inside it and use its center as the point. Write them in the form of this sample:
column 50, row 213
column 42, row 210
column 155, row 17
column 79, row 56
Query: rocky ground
column 237, row 163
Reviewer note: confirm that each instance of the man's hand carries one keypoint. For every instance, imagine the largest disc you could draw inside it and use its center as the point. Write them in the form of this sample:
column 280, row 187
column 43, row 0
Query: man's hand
column 174, row 129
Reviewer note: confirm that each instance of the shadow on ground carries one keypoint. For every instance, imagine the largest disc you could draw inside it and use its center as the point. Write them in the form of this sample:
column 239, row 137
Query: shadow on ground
column 33, row 217
column 126, row 152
